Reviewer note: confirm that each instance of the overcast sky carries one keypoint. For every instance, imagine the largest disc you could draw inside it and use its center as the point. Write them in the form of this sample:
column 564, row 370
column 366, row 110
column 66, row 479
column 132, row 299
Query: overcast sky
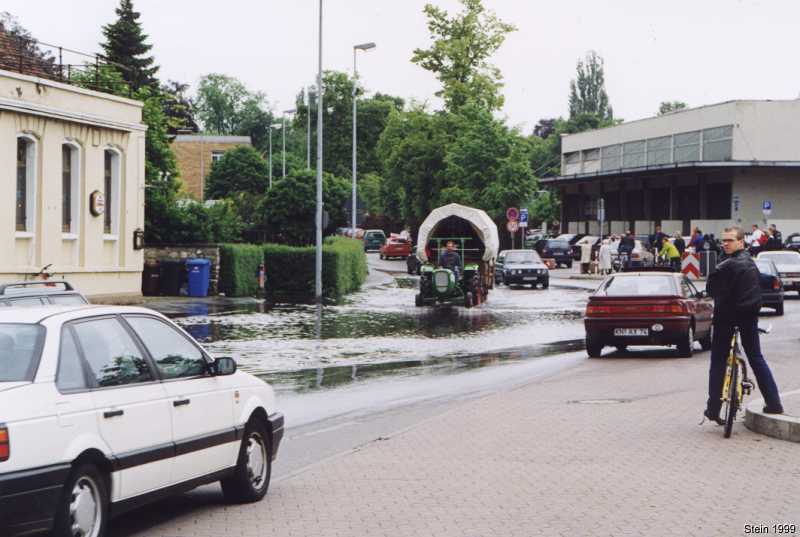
column 698, row 51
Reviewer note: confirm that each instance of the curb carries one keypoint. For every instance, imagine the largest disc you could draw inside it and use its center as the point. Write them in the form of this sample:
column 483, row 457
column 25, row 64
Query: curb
column 781, row 426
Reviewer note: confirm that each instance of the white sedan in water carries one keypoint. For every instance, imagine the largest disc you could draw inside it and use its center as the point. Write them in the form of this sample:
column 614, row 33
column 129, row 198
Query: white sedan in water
column 104, row 409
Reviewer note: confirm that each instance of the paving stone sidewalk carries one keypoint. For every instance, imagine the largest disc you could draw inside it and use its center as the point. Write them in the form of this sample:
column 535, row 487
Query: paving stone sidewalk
column 535, row 461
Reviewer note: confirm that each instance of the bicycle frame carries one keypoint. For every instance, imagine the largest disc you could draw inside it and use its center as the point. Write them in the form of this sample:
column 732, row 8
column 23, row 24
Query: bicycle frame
column 743, row 384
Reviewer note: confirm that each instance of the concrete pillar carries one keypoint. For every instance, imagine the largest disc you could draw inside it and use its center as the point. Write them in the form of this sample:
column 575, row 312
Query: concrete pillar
column 702, row 199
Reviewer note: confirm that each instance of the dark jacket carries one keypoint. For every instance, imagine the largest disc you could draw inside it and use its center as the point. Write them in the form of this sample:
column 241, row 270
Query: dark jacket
column 626, row 244
column 450, row 260
column 680, row 244
column 735, row 288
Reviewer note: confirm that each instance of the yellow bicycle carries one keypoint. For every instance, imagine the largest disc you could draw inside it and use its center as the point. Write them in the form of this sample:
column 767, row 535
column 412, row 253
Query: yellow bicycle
column 736, row 383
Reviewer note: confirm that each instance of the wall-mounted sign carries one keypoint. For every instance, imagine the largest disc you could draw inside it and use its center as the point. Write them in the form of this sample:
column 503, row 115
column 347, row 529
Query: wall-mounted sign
column 97, row 203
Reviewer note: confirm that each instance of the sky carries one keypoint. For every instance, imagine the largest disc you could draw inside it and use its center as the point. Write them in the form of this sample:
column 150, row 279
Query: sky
column 700, row 52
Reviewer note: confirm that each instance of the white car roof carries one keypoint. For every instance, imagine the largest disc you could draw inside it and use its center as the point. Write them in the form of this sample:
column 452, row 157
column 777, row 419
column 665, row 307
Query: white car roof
column 37, row 314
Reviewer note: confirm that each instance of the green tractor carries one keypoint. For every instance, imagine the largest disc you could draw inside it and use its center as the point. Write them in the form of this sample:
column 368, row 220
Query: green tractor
column 475, row 237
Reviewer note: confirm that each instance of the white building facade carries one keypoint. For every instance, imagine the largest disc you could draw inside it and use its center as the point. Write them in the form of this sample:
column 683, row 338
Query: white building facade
column 706, row 167
column 72, row 180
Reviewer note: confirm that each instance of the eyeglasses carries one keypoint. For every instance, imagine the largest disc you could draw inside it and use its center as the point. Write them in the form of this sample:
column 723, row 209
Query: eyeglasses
column 731, row 240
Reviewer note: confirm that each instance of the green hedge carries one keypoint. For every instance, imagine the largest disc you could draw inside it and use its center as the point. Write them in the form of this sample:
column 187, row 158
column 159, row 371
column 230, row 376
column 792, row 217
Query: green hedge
column 239, row 269
column 290, row 270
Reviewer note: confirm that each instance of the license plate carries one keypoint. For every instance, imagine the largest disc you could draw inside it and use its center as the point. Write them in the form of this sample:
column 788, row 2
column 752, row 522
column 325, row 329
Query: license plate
column 630, row 332
column 529, row 278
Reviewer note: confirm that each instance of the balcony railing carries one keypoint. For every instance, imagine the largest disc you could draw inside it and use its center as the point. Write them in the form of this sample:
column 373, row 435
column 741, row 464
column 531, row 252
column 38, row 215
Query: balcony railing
column 54, row 62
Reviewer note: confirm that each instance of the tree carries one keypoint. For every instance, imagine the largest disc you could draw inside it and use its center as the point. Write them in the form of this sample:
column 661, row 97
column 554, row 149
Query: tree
column 178, row 107
column 126, row 45
column 458, row 57
column 670, row 106
column 240, row 169
column 225, row 106
column 587, row 93
column 544, row 128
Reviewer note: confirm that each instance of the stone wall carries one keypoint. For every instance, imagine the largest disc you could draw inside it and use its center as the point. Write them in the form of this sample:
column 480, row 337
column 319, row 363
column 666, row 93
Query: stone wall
column 178, row 252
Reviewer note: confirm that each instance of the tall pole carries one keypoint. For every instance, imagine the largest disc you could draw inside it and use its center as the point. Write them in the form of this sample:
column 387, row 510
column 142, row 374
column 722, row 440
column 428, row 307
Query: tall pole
column 318, row 275
column 283, row 128
column 308, row 130
column 270, row 155
column 354, row 211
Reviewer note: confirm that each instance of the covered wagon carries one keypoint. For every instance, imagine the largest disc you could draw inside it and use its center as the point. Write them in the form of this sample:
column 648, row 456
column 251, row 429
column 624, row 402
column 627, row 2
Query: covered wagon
column 474, row 236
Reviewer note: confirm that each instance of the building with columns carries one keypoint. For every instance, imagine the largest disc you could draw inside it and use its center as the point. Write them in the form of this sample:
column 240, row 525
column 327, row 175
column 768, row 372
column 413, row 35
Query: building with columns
column 706, row 167
column 72, row 172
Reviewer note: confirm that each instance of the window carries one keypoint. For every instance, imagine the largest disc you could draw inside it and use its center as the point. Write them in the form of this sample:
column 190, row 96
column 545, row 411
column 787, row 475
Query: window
column 611, row 157
column 20, row 347
column 659, row 150
column 687, row 147
column 718, row 143
column 30, row 302
column 70, row 374
column 111, row 191
column 633, row 154
column 114, row 360
column 174, row 355
column 68, row 300
column 216, row 155
column 70, row 194
column 572, row 158
column 25, row 184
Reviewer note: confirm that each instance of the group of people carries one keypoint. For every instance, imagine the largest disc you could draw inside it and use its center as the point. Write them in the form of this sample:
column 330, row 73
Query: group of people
column 765, row 240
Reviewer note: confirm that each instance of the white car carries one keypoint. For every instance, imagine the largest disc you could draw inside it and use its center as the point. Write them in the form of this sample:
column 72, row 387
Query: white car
column 788, row 263
column 104, row 409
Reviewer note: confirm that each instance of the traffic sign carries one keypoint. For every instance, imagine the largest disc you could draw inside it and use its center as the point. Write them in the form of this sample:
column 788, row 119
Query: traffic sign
column 512, row 226
column 690, row 265
column 523, row 218
column 766, row 207
column 512, row 213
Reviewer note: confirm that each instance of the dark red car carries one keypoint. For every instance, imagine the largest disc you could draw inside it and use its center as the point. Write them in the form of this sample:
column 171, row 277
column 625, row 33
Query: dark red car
column 648, row 308
column 395, row 248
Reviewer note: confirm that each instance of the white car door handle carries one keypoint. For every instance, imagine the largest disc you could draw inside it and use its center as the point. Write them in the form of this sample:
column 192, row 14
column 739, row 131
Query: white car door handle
column 181, row 402
column 113, row 413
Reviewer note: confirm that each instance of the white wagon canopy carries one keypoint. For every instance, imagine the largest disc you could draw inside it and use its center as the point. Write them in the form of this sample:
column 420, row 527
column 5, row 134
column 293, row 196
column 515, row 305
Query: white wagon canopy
column 450, row 221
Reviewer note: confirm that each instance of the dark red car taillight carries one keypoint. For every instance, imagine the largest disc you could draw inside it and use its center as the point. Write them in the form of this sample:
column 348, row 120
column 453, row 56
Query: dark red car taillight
column 5, row 444
column 776, row 284
column 674, row 307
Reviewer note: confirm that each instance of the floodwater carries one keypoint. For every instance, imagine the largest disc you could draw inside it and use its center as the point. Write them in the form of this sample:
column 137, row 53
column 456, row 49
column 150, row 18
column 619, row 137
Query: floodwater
column 379, row 333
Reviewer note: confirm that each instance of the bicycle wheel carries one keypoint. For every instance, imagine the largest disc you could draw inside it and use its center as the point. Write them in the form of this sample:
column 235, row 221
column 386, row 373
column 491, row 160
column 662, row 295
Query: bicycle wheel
column 733, row 401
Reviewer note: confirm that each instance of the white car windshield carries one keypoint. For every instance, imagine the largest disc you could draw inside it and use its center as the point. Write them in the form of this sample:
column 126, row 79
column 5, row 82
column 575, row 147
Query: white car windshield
column 639, row 286
column 522, row 257
column 20, row 347
column 782, row 258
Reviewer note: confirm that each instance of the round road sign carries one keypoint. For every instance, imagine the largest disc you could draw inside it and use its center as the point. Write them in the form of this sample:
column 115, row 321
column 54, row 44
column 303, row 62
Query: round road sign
column 512, row 213
column 512, row 226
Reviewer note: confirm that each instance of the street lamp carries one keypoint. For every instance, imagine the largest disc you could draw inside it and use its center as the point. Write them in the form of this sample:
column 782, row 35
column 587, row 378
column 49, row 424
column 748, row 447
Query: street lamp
column 290, row 111
column 318, row 260
column 363, row 47
column 272, row 126
column 307, row 100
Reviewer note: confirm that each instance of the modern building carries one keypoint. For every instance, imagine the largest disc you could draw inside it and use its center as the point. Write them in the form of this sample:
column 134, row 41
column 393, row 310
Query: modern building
column 72, row 173
column 196, row 153
column 708, row 167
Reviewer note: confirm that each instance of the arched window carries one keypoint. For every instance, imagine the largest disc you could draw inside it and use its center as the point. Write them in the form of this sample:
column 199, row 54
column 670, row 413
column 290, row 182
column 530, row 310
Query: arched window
column 26, row 184
column 111, row 192
column 70, row 188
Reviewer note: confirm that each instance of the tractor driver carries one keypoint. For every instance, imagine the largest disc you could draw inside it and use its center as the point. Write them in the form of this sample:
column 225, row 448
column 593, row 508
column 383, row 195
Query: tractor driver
column 451, row 260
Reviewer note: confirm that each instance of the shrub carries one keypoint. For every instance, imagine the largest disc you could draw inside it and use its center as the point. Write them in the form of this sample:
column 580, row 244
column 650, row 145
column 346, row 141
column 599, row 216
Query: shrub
column 239, row 269
column 290, row 270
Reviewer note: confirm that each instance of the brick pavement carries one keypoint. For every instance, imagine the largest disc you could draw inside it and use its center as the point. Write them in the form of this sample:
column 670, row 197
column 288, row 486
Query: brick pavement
column 529, row 462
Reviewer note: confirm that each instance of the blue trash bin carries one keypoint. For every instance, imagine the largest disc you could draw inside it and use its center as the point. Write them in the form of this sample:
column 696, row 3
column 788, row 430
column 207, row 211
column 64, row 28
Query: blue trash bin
column 199, row 276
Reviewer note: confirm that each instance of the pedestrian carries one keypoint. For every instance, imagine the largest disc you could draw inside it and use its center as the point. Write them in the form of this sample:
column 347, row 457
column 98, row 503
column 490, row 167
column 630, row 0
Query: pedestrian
column 604, row 257
column 450, row 259
column 586, row 256
column 778, row 235
column 626, row 246
column 696, row 241
column 773, row 239
column 670, row 254
column 734, row 285
column 657, row 239
column 679, row 243
column 756, row 238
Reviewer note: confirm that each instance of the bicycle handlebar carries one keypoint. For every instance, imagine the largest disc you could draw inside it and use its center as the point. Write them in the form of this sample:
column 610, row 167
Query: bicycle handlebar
column 766, row 330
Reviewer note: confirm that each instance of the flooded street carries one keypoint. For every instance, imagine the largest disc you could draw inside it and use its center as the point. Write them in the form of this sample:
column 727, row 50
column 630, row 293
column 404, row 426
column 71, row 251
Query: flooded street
column 379, row 333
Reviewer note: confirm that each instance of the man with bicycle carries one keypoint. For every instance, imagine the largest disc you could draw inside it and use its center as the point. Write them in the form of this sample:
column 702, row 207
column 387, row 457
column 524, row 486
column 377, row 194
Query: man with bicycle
column 737, row 300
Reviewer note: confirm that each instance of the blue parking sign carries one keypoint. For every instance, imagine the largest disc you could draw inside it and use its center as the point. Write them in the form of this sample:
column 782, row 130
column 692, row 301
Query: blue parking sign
column 523, row 218
column 767, row 205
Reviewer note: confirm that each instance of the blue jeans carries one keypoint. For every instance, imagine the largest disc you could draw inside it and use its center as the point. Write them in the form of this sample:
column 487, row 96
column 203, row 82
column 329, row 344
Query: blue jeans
column 720, row 346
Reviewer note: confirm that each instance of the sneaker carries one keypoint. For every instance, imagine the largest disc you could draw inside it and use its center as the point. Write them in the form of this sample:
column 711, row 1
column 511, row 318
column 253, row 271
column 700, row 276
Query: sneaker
column 716, row 419
column 768, row 410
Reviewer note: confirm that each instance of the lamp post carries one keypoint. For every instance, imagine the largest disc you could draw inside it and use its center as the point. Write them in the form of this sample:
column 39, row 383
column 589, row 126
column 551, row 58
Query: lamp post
column 308, row 128
column 291, row 111
column 318, row 267
column 363, row 47
column 272, row 126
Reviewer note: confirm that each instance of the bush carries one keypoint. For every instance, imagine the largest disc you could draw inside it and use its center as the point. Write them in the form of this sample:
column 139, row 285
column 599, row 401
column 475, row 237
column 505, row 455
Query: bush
column 239, row 269
column 290, row 270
